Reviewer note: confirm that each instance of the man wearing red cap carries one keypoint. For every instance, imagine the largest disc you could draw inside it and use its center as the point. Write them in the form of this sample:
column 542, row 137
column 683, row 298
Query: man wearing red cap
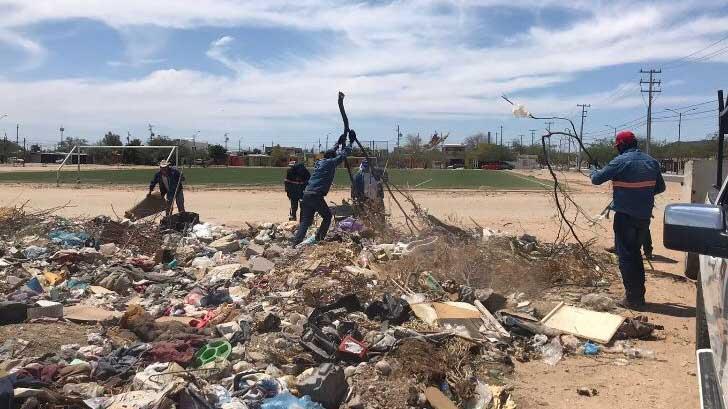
column 636, row 179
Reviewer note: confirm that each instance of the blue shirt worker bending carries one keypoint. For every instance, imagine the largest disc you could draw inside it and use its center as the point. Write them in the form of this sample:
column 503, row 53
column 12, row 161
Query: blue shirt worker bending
column 170, row 185
column 636, row 179
column 314, row 195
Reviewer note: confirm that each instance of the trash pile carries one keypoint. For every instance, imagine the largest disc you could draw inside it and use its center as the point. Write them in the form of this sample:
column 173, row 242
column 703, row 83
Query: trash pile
column 106, row 313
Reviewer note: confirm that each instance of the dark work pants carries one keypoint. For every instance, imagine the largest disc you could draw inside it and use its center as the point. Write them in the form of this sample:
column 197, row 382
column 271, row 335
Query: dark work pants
column 629, row 236
column 294, row 206
column 180, row 201
column 310, row 205
column 647, row 242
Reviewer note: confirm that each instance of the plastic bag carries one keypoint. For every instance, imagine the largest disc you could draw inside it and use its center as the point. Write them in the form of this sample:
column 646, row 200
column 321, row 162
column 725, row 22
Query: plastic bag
column 591, row 348
column 68, row 239
column 598, row 302
column 552, row 352
column 351, row 225
column 202, row 231
column 481, row 398
column 33, row 252
column 288, row 401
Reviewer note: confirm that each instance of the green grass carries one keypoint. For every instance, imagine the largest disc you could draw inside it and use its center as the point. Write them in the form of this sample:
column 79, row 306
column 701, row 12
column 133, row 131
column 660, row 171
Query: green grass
column 434, row 178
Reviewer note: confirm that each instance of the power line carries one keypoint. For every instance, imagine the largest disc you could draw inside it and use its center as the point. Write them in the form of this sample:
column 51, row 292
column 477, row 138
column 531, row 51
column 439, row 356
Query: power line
column 685, row 60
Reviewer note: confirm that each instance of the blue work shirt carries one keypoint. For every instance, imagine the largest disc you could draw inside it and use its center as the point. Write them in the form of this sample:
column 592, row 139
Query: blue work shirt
column 173, row 178
column 323, row 174
column 636, row 179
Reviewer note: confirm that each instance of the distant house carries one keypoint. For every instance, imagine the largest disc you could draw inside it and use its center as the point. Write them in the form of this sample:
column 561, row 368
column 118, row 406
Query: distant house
column 527, row 162
column 454, row 154
column 55, row 157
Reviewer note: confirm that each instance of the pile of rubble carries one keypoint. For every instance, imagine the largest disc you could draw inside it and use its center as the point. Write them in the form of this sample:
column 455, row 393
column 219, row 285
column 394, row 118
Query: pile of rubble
column 117, row 314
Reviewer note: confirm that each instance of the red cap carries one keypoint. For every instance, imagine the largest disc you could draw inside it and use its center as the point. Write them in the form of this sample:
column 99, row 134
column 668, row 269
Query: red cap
column 625, row 138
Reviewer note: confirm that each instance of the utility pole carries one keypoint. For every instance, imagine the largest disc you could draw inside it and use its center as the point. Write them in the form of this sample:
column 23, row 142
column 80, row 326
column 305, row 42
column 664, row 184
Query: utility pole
column 151, row 132
column 17, row 132
column 399, row 136
column 128, row 136
column 679, row 121
column 488, row 137
column 651, row 91
column 533, row 135
column 62, row 129
column 581, row 133
column 501, row 142
column 239, row 140
column 226, row 141
column 327, row 141
column 319, row 145
column 521, row 135
column 548, row 128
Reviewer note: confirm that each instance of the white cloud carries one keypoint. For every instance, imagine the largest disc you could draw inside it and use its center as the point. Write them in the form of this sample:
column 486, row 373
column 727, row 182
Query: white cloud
column 219, row 50
column 35, row 52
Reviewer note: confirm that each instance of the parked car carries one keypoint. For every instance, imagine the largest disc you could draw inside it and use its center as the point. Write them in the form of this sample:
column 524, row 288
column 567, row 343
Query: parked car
column 702, row 229
column 496, row 165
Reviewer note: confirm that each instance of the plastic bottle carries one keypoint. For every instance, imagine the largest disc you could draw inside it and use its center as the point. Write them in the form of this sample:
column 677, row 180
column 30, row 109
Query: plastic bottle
column 641, row 353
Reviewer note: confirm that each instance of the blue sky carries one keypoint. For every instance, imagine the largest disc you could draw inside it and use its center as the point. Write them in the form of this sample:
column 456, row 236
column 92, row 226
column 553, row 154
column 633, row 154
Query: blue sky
column 270, row 71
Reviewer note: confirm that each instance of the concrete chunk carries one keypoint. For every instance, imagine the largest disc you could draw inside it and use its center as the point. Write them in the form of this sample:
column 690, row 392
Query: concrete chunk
column 227, row 244
column 254, row 250
column 260, row 265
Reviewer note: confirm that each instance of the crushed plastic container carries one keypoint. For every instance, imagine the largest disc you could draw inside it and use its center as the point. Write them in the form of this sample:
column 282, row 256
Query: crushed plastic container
column 288, row 401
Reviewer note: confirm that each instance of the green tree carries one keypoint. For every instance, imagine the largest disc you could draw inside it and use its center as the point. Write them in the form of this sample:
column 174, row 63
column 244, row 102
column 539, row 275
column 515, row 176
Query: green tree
column 472, row 141
column 111, row 139
column 217, row 153
column 69, row 143
column 485, row 152
column 133, row 156
column 279, row 157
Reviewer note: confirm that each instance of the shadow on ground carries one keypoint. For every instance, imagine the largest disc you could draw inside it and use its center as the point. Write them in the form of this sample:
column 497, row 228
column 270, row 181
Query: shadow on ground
column 671, row 309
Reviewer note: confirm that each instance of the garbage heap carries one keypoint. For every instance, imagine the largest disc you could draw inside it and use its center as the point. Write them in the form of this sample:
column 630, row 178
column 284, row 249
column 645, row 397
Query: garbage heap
column 102, row 313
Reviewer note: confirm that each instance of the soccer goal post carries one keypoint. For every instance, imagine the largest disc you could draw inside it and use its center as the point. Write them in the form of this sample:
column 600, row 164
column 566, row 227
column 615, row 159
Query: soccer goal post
column 77, row 151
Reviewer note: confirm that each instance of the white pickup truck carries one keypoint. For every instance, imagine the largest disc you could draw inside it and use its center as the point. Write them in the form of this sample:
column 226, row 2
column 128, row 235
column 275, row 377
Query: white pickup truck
column 703, row 229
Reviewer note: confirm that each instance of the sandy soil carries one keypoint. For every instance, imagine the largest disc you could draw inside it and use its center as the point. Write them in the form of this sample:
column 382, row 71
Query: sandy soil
column 668, row 382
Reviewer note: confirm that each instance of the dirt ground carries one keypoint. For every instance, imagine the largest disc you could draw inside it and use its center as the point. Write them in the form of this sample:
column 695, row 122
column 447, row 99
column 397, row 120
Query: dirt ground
column 667, row 382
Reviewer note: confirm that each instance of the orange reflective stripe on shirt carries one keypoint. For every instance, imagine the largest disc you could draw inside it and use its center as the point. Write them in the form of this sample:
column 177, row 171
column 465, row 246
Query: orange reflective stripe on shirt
column 634, row 185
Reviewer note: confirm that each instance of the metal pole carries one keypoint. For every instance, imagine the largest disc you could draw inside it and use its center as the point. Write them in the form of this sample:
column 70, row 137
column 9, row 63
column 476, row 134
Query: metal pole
column 78, row 166
column 721, row 138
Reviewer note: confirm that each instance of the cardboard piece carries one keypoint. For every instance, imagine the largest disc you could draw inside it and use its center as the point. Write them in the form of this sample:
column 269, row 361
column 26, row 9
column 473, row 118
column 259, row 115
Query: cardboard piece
column 462, row 318
column 438, row 400
column 85, row 313
column 458, row 310
column 596, row 326
column 97, row 289
column 491, row 323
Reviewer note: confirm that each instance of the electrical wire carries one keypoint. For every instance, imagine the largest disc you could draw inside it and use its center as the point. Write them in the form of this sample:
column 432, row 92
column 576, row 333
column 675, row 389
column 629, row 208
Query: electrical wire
column 685, row 60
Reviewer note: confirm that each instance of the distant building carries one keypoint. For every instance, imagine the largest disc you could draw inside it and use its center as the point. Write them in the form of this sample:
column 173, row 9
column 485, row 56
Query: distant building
column 200, row 146
column 290, row 150
column 454, row 154
column 527, row 162
column 56, row 157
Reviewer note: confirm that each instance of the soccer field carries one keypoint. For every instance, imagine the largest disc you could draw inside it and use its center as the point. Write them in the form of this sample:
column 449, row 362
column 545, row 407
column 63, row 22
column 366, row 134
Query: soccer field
column 231, row 177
